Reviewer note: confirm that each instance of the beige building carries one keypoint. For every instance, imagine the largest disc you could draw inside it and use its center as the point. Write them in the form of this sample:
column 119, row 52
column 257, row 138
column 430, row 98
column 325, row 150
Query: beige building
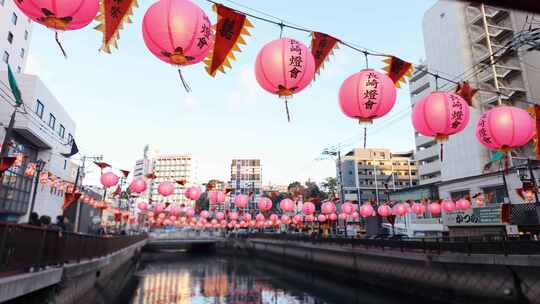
column 369, row 174
column 172, row 168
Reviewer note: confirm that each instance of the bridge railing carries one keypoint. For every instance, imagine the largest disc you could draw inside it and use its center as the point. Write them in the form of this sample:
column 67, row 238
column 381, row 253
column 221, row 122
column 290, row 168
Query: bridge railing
column 23, row 247
column 465, row 245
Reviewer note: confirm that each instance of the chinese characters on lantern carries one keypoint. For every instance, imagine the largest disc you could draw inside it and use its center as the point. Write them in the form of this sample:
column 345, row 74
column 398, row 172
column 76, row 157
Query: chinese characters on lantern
column 295, row 60
column 457, row 111
column 371, row 92
column 206, row 32
column 483, row 131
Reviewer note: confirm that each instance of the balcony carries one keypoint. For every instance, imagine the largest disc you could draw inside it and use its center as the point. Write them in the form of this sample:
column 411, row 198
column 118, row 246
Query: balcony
column 32, row 128
column 429, row 168
column 426, row 153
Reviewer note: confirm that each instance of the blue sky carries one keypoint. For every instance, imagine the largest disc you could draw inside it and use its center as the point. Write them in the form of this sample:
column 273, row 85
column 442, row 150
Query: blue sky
column 125, row 100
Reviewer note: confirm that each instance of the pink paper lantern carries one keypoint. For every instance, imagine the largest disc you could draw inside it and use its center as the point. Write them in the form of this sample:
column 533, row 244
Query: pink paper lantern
column 172, row 218
column 309, row 218
column 162, row 215
column 384, row 210
column 138, row 185
column 109, row 179
column 190, row 212
column 216, row 197
column 259, row 217
column 192, row 193
column 223, row 222
column 167, row 222
column 63, row 15
column 264, row 204
column 308, row 208
column 355, row 215
column 328, row 207
column 175, row 211
column 434, row 208
column 205, row 214
column 233, row 215
column 463, row 204
column 285, row 218
column 505, row 128
column 166, row 188
column 247, row 217
column 273, row 217
column 158, row 208
column 241, row 201
column 367, row 95
column 448, row 206
column 332, row 216
column 286, row 205
column 321, row 218
column 400, row 209
column 220, row 215
column 177, row 32
column 347, row 208
column 142, row 206
column 440, row 114
column 297, row 218
column 418, row 208
column 366, row 210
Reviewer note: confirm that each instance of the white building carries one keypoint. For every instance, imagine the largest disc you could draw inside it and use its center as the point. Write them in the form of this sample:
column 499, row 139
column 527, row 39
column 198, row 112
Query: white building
column 42, row 131
column 15, row 32
column 460, row 38
column 172, row 168
column 246, row 178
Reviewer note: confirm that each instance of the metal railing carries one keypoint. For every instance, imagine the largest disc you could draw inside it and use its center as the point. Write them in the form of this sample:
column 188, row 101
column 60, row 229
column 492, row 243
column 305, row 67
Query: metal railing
column 466, row 245
column 23, row 247
column 194, row 234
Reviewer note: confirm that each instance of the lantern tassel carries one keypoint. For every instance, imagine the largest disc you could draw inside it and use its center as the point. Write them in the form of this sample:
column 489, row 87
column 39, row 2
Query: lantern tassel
column 60, row 44
column 287, row 109
column 441, row 152
column 186, row 86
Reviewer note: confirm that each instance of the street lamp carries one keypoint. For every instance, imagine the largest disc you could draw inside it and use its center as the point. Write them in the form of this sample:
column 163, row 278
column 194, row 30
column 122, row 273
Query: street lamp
column 40, row 165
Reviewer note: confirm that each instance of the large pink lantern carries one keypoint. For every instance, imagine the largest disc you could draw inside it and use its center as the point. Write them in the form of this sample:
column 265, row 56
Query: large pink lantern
column 247, row 217
column 328, row 207
column 177, row 32
column 192, row 193
column 343, row 216
column 355, row 215
column 367, row 95
column 241, row 201
column 190, row 212
column 285, row 218
column 166, row 188
column 274, row 217
column 62, row 15
column 233, row 215
column 286, row 205
column 321, row 218
column 434, row 208
column 448, row 205
column 418, row 208
column 174, row 211
column 284, row 67
column 264, row 204
column 332, row 216
column 309, row 218
column 347, row 208
column 298, row 218
column 109, row 179
column 308, row 208
column 505, row 128
column 440, row 114
column 216, row 197
column 259, row 217
column 400, row 209
column 205, row 214
column 384, row 210
column 366, row 210
column 142, row 206
column 220, row 215
column 158, row 207
column 463, row 204
column 138, row 185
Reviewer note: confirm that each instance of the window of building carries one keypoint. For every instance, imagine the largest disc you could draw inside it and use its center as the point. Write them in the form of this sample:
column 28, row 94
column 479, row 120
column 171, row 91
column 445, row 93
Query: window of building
column 5, row 57
column 39, row 108
column 52, row 121
column 494, row 195
column 61, row 131
column 14, row 19
column 22, row 53
column 10, row 37
column 70, row 138
column 455, row 195
column 65, row 163
column 25, row 35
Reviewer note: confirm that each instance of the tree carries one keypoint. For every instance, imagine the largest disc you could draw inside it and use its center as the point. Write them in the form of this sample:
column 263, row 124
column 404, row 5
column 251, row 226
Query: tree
column 296, row 189
column 329, row 185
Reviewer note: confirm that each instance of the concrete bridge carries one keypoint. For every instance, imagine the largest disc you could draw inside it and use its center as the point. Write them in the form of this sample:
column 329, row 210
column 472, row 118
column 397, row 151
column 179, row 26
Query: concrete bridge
column 183, row 240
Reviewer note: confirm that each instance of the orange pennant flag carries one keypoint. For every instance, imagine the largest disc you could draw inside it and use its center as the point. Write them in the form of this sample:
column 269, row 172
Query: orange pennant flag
column 398, row 69
column 112, row 16
column 322, row 46
column 465, row 90
column 230, row 27
column 70, row 198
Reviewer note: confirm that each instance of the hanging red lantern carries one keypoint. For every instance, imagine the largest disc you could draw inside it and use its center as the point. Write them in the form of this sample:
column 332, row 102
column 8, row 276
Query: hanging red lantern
column 505, row 128
column 384, row 210
column 109, row 179
column 284, row 67
column 367, row 95
column 177, row 32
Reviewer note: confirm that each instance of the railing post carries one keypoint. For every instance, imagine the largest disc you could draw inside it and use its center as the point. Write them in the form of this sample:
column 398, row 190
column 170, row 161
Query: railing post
column 41, row 248
column 3, row 249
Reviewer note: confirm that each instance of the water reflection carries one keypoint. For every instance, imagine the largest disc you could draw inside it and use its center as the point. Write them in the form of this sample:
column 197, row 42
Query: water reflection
column 216, row 279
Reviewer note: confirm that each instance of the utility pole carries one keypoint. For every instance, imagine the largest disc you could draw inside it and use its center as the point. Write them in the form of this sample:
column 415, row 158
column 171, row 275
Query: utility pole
column 80, row 176
column 40, row 165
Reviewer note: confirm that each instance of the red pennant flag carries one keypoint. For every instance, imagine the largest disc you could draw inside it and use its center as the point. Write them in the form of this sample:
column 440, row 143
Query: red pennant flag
column 398, row 69
column 322, row 45
column 250, row 194
column 150, row 176
column 465, row 90
column 125, row 173
column 181, row 182
column 113, row 15
column 534, row 110
column 102, row 165
column 70, row 198
column 117, row 191
column 230, row 27
column 209, row 186
column 6, row 162
column 228, row 190
column 167, row 204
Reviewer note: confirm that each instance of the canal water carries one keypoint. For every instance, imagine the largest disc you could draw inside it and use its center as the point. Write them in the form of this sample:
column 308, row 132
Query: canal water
column 207, row 278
